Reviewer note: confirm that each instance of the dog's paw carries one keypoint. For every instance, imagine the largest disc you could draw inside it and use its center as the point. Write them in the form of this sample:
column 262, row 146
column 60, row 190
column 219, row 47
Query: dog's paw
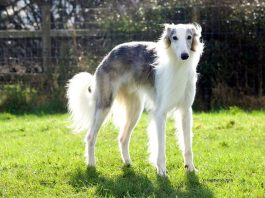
column 90, row 162
column 190, row 167
column 161, row 171
column 127, row 163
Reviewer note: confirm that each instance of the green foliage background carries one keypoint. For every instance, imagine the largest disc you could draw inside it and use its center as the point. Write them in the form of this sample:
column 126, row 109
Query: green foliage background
column 231, row 69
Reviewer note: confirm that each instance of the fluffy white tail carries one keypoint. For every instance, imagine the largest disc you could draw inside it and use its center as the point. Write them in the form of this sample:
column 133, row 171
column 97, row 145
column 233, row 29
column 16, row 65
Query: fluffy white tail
column 81, row 101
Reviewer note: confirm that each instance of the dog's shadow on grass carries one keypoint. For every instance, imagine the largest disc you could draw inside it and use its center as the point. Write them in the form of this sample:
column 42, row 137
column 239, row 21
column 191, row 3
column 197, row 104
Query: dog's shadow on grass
column 130, row 184
column 194, row 188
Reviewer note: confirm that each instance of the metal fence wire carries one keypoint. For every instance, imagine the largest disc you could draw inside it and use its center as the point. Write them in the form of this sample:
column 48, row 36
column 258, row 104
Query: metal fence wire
column 43, row 44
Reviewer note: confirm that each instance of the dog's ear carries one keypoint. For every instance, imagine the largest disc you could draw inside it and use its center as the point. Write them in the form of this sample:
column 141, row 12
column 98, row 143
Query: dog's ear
column 166, row 35
column 196, row 30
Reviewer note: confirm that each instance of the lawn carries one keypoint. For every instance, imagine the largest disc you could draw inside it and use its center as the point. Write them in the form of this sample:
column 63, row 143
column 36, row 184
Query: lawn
column 40, row 157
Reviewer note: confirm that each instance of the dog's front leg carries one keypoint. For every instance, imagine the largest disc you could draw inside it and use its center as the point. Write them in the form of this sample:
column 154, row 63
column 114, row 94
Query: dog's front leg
column 160, row 120
column 185, row 130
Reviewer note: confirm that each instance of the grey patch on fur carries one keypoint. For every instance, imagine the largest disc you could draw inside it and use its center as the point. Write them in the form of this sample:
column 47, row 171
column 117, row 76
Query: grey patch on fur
column 127, row 63
column 135, row 58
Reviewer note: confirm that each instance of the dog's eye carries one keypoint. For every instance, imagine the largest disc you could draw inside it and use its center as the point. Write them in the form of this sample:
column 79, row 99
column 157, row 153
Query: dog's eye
column 189, row 37
column 175, row 38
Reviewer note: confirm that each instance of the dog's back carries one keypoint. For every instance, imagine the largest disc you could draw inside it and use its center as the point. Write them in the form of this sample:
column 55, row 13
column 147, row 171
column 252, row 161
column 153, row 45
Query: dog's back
column 129, row 62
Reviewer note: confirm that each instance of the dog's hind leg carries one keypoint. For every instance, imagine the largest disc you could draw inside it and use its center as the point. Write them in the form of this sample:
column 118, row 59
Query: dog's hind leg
column 100, row 115
column 103, row 102
column 131, row 106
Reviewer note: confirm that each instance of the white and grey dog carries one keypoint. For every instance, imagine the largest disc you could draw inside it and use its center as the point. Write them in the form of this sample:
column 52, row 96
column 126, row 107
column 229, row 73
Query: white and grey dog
column 161, row 75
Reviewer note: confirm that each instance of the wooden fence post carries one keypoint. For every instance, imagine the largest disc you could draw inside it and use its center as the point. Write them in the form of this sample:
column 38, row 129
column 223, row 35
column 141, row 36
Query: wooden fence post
column 260, row 71
column 46, row 37
column 195, row 14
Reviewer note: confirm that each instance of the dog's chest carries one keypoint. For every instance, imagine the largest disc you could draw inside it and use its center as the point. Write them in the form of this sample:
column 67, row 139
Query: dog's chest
column 173, row 87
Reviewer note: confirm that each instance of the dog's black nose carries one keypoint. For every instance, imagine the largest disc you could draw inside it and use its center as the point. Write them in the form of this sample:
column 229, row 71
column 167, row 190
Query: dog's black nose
column 184, row 56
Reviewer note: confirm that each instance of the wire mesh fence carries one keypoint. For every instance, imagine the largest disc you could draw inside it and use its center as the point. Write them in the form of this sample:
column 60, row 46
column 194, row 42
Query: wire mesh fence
column 42, row 44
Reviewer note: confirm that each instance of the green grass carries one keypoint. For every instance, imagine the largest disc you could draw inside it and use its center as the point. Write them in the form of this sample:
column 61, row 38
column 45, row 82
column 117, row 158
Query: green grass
column 39, row 157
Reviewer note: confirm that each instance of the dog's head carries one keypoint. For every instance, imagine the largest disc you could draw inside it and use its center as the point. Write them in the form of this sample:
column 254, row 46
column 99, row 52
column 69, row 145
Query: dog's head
column 182, row 39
